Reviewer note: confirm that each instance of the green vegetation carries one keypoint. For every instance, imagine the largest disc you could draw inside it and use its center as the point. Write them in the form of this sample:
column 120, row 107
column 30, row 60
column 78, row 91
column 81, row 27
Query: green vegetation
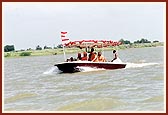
column 9, row 48
column 57, row 51
column 142, row 41
column 25, row 54
column 45, row 47
column 38, row 48
column 140, row 45
column 7, row 55
column 124, row 41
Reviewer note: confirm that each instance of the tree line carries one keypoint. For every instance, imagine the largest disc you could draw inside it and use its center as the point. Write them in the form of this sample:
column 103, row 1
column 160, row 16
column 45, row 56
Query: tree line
column 138, row 41
column 9, row 48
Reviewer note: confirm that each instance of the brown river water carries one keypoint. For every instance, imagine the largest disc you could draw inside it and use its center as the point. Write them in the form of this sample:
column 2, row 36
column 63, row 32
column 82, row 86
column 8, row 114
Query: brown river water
column 34, row 84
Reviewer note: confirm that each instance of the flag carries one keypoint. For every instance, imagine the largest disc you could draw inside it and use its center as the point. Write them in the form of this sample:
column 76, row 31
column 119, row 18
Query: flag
column 64, row 39
column 62, row 35
column 63, row 32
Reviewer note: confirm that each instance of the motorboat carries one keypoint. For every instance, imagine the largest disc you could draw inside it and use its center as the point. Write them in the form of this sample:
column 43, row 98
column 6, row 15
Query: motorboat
column 75, row 66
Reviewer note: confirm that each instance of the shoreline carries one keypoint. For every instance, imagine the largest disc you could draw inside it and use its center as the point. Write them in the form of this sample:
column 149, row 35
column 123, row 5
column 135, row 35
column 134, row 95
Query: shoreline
column 58, row 51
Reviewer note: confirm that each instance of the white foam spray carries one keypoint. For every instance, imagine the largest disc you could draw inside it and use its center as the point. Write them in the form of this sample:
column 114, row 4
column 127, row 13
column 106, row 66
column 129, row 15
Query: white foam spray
column 88, row 69
column 52, row 70
column 55, row 70
column 136, row 65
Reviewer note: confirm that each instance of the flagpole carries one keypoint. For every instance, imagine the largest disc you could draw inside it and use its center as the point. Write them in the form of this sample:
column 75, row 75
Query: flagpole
column 63, row 39
column 64, row 51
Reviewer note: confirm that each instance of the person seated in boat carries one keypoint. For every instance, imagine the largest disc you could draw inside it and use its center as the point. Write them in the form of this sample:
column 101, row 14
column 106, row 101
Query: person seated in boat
column 101, row 57
column 116, row 58
column 71, row 59
column 79, row 56
column 93, row 56
column 89, row 58
column 115, row 55
column 92, row 51
column 68, row 60
column 84, row 58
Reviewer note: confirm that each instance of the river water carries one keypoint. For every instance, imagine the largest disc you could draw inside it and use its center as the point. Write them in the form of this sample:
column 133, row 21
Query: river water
column 34, row 84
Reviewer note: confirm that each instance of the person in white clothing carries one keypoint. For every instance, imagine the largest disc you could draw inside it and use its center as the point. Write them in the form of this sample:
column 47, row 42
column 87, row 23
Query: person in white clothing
column 115, row 59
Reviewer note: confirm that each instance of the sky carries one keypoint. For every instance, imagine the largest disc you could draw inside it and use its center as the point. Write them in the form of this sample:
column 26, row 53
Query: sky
column 26, row 24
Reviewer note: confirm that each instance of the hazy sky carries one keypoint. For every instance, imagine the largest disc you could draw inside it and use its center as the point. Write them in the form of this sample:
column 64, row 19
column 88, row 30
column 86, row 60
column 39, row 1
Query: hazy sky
column 27, row 25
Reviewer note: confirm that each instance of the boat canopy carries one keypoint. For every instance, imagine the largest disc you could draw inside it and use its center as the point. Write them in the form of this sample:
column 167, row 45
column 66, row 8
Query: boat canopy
column 92, row 43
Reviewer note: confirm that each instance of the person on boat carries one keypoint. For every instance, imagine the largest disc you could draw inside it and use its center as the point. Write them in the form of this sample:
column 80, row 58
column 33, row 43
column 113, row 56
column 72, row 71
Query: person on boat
column 101, row 57
column 116, row 58
column 68, row 60
column 79, row 56
column 115, row 55
column 91, row 52
column 84, row 58
column 92, row 56
column 71, row 59
column 95, row 57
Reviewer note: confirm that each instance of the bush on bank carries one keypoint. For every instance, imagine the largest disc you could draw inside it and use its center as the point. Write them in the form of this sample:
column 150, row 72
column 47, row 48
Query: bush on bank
column 25, row 54
column 7, row 55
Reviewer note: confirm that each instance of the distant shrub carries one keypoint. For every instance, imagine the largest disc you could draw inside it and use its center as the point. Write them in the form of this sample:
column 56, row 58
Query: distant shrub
column 155, row 41
column 9, row 48
column 38, row 48
column 25, row 54
column 60, row 46
column 29, row 49
column 142, row 41
column 46, row 47
column 8, row 55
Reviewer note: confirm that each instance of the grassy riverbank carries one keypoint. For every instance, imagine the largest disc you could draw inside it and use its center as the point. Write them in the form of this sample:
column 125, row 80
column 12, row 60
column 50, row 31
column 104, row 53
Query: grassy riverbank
column 75, row 50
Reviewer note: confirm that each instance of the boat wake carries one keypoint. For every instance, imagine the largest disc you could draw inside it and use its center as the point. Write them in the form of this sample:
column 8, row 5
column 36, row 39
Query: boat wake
column 55, row 70
column 137, row 65
column 88, row 69
column 129, row 65
column 52, row 70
